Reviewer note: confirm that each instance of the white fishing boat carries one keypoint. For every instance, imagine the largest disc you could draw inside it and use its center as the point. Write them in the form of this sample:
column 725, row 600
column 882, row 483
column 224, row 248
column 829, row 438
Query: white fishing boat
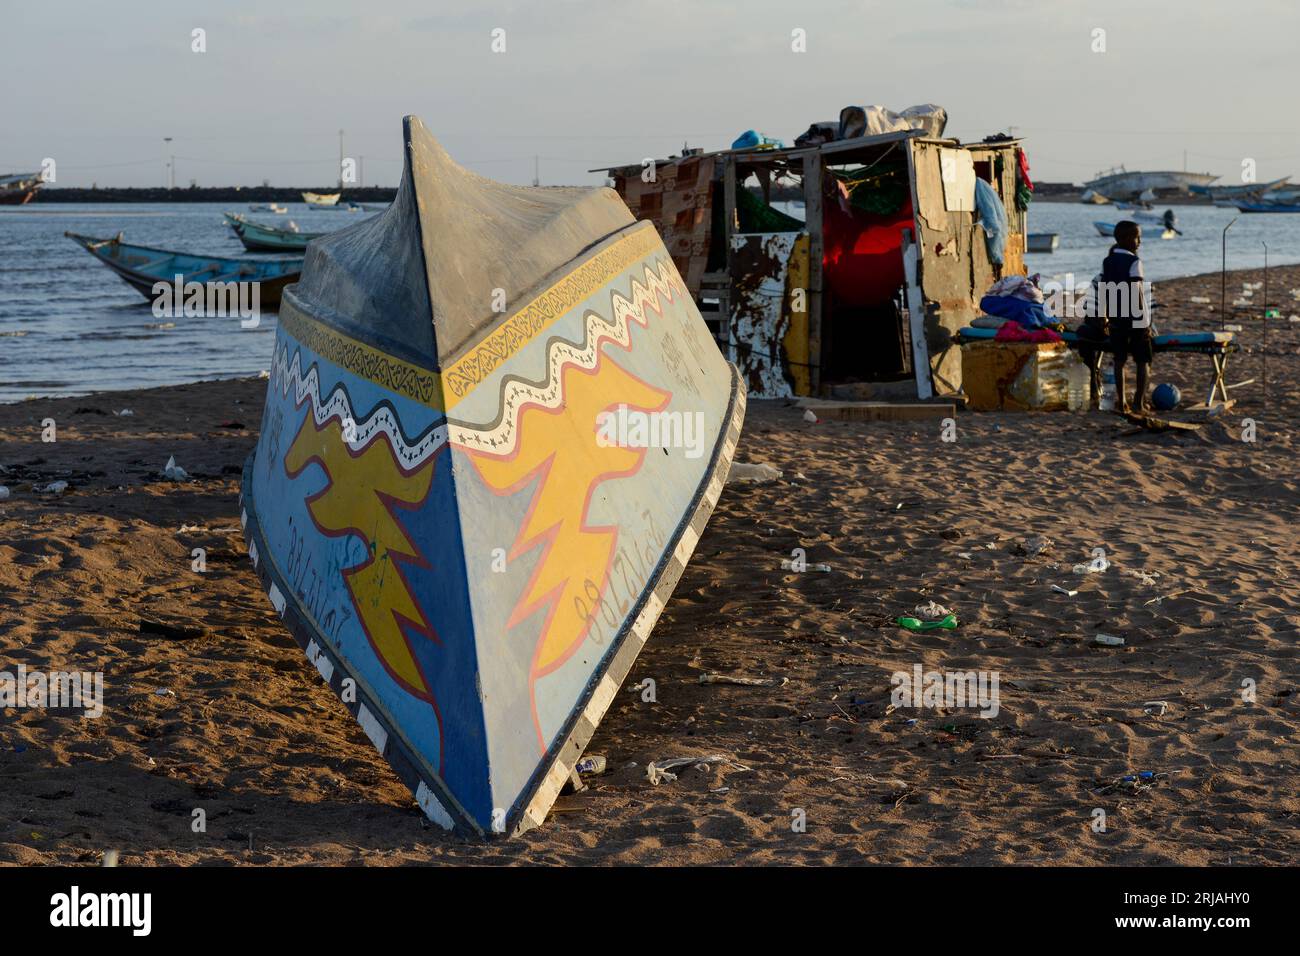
column 321, row 199
column 1044, row 241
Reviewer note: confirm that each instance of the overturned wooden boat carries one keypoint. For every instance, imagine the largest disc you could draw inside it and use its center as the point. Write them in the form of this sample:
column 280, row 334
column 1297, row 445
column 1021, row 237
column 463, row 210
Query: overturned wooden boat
column 495, row 427
column 259, row 238
column 142, row 267
column 321, row 199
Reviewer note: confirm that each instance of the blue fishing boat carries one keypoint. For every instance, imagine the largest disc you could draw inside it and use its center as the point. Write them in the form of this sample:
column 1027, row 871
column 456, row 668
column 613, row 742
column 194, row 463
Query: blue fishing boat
column 1267, row 207
column 259, row 238
column 142, row 267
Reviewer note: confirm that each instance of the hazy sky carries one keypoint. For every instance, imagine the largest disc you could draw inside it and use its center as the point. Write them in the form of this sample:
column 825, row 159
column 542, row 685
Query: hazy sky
column 594, row 82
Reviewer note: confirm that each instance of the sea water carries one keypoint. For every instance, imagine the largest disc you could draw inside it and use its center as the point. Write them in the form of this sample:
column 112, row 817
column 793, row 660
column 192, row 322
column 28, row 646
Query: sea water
column 69, row 325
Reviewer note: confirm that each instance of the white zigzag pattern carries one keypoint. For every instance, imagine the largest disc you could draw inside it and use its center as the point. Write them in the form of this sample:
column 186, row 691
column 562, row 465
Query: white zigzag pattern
column 500, row 440
column 381, row 422
column 659, row 285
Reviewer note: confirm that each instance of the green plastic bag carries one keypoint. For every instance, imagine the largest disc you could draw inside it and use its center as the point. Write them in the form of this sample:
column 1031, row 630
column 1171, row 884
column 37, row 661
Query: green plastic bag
column 916, row 624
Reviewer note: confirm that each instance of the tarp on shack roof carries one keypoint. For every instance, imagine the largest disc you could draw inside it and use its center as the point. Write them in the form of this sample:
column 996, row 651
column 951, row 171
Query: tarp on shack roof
column 469, row 548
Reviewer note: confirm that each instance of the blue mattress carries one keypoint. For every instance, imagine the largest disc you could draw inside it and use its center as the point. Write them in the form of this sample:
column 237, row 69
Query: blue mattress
column 1192, row 341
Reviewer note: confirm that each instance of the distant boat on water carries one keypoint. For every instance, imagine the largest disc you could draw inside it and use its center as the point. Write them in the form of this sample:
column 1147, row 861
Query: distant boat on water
column 321, row 199
column 1044, row 241
column 1121, row 183
column 1267, row 206
column 141, row 267
column 1107, row 229
column 1244, row 191
column 259, row 238
column 269, row 207
column 19, row 188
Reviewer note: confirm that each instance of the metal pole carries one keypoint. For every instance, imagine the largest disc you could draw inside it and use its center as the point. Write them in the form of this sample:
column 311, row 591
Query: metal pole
column 1223, row 279
column 1264, row 350
column 167, row 166
column 340, row 159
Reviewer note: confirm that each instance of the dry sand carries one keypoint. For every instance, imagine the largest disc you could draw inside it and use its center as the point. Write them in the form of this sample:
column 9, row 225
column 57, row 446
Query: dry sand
column 210, row 705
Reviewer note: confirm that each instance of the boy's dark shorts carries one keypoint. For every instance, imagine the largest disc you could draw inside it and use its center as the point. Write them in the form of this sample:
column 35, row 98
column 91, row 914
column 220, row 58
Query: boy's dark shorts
column 1135, row 343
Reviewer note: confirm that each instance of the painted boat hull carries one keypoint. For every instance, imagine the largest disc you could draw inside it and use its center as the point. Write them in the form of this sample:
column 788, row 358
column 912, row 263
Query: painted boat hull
column 141, row 267
column 468, row 565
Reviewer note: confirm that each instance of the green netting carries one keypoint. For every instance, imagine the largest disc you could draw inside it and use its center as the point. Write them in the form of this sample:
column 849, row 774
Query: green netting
column 881, row 189
column 754, row 215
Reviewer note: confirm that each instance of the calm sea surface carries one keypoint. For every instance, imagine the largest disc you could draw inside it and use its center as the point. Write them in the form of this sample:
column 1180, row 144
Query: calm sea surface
column 69, row 326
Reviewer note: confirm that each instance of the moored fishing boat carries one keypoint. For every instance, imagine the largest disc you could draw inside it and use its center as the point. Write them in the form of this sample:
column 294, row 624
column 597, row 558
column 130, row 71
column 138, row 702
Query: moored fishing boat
column 495, row 427
column 143, row 267
column 1043, row 241
column 1267, row 207
column 321, row 199
column 259, row 238
column 19, row 188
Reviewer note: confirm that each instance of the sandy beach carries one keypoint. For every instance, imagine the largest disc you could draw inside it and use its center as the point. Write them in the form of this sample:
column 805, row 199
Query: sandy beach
column 210, row 705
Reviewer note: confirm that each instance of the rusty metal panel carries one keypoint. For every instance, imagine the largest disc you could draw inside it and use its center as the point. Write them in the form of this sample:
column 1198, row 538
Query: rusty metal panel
column 759, row 314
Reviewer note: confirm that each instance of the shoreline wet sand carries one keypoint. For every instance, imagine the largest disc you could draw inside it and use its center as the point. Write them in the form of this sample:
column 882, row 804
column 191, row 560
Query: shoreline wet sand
column 210, row 705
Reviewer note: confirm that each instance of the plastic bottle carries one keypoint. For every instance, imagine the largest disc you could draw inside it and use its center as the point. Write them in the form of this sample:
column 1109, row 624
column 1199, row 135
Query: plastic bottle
column 593, row 764
column 1077, row 386
column 1107, row 403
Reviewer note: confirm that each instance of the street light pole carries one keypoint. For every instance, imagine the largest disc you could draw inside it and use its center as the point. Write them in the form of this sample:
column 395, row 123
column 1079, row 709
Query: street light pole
column 170, row 179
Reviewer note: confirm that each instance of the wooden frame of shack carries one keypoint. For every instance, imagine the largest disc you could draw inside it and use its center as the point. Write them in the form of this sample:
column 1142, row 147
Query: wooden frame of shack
column 862, row 296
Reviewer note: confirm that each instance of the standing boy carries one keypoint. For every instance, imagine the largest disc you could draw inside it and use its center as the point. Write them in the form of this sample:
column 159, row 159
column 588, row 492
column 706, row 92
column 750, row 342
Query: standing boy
column 1123, row 293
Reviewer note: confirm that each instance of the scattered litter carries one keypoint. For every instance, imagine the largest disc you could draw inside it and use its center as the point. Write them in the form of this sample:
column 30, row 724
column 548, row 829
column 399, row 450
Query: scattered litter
column 594, row 764
column 931, row 611
column 1109, row 640
column 1035, row 545
column 109, row 859
column 55, row 488
column 788, row 565
column 1148, row 579
column 173, row 471
column 1200, row 299
column 711, row 678
column 265, row 373
column 1095, row 566
column 721, row 790
column 1234, row 328
column 164, row 692
column 1157, row 707
column 810, row 416
column 800, row 476
column 1060, row 590
column 760, row 472
column 124, row 413
column 965, row 554
column 657, row 771
column 912, row 624
column 1142, row 780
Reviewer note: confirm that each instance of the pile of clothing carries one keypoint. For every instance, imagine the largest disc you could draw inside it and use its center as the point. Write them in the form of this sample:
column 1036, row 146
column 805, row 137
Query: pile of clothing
column 1018, row 301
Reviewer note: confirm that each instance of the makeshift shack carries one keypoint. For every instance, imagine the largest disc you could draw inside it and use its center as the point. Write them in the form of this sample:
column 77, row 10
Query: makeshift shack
column 842, row 268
